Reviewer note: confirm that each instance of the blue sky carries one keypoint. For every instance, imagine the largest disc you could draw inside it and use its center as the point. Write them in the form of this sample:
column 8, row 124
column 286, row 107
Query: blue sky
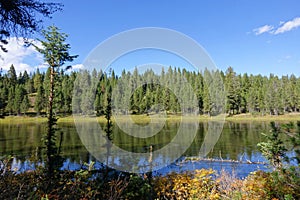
column 257, row 37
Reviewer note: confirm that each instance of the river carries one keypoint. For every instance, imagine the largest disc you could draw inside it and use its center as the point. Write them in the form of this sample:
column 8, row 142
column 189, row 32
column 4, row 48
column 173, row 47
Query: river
column 237, row 141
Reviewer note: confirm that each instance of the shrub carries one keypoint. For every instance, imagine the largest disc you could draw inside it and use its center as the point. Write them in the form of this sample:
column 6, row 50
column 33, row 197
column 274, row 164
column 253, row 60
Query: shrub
column 190, row 185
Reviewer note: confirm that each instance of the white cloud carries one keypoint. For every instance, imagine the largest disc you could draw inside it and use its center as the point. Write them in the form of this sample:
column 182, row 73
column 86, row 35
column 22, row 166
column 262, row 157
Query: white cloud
column 283, row 27
column 287, row 57
column 288, row 26
column 263, row 29
column 23, row 58
column 284, row 58
column 77, row 66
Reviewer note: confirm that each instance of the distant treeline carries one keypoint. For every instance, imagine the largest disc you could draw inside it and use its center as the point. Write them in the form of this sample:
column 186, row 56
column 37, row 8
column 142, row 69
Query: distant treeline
column 213, row 92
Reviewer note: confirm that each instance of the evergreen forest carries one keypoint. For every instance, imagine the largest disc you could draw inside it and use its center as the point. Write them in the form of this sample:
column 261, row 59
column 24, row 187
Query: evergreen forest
column 27, row 93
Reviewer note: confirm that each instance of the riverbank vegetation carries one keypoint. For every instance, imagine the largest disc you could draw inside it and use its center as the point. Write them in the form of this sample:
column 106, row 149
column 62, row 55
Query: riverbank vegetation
column 281, row 182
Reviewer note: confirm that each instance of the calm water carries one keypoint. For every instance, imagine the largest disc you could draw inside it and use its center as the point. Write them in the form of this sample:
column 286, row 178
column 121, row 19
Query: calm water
column 238, row 141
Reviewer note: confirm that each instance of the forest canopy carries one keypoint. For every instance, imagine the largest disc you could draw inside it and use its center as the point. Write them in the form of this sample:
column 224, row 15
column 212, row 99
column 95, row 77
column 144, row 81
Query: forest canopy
column 256, row 94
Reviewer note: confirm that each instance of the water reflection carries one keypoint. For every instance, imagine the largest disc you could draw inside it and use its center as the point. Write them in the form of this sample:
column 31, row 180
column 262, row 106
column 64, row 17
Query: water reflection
column 238, row 141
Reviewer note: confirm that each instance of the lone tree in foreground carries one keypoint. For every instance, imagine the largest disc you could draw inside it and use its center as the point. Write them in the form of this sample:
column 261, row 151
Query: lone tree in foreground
column 56, row 54
column 273, row 149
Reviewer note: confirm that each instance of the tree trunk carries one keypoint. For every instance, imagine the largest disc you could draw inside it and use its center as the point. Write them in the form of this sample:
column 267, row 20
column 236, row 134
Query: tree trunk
column 51, row 123
column 51, row 92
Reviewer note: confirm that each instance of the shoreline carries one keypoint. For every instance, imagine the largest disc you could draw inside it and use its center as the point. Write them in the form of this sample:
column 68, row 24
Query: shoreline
column 145, row 119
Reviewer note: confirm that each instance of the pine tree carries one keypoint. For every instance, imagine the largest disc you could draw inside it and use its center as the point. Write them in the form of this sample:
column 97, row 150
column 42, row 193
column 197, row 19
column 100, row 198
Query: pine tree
column 46, row 88
column 18, row 98
column 2, row 95
column 86, row 103
column 253, row 95
column 199, row 90
column 39, row 103
column 37, row 80
column 207, row 103
column 297, row 91
column 291, row 93
column 108, row 113
column 25, row 105
column 207, row 90
column 274, row 96
column 56, row 54
column 108, row 125
column 262, row 88
column 67, row 92
column 273, row 149
column 12, row 76
column 25, row 77
column 217, row 93
column 245, row 86
column 157, row 101
column 293, row 131
column 10, row 100
column 29, row 86
column 59, row 98
column 1, row 105
column 233, row 91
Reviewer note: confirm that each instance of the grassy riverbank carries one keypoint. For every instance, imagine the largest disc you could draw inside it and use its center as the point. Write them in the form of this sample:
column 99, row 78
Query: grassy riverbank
column 144, row 119
column 250, row 117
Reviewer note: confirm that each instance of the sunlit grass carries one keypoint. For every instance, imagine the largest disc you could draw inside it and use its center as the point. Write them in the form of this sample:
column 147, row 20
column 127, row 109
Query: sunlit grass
column 145, row 119
column 250, row 117
column 22, row 120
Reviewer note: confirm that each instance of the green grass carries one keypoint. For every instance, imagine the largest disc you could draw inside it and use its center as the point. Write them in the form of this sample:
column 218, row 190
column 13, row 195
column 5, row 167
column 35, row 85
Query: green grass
column 144, row 119
column 249, row 117
column 22, row 120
